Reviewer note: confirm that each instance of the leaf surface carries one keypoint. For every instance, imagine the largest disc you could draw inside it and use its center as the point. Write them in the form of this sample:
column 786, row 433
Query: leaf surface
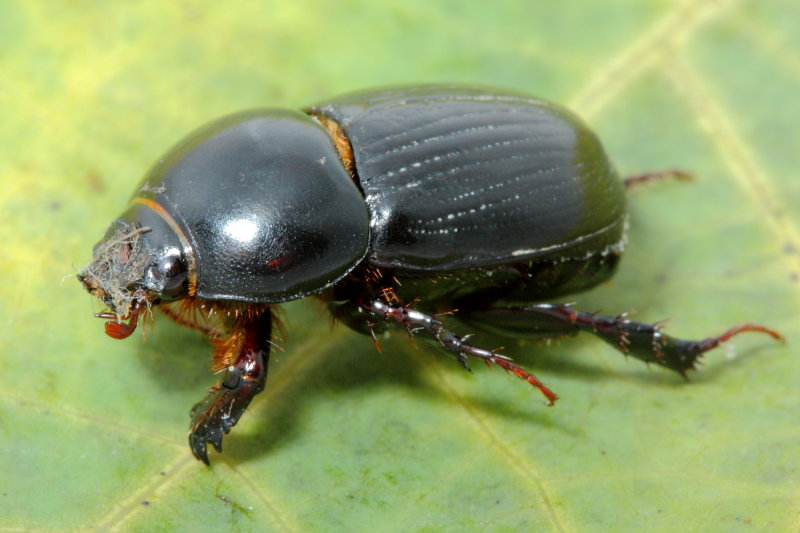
column 93, row 430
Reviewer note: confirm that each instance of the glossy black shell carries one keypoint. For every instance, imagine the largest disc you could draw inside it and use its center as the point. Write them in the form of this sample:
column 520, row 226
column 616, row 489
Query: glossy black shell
column 459, row 177
column 265, row 206
column 480, row 185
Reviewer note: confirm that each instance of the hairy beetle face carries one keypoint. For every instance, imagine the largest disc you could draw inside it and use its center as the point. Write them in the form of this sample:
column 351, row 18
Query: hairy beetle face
column 117, row 272
column 139, row 262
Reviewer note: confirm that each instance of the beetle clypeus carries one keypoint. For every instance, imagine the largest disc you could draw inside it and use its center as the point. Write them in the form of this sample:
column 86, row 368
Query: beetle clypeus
column 392, row 206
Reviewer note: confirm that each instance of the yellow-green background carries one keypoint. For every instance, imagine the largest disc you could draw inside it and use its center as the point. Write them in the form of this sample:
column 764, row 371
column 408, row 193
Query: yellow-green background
column 92, row 430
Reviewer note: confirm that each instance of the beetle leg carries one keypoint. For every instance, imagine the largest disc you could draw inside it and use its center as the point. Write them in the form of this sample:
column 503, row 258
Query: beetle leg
column 244, row 377
column 641, row 340
column 186, row 313
column 631, row 182
column 417, row 322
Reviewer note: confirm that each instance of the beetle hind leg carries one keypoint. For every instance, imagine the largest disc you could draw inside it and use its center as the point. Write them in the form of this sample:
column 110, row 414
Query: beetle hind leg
column 242, row 356
column 632, row 182
column 646, row 342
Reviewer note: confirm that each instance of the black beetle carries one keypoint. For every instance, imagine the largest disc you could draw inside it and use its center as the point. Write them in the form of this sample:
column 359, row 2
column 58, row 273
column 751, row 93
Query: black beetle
column 392, row 206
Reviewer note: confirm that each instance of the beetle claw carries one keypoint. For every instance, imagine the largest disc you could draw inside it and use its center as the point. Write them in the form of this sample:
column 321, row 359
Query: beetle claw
column 225, row 404
column 199, row 449
column 211, row 419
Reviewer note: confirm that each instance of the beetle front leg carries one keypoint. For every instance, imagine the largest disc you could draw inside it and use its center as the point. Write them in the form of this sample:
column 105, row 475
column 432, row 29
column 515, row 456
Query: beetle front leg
column 245, row 376
column 646, row 342
column 416, row 322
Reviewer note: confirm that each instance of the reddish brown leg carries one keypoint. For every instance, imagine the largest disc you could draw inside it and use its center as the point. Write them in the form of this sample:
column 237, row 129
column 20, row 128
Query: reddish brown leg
column 186, row 315
column 632, row 182
column 416, row 322
column 244, row 377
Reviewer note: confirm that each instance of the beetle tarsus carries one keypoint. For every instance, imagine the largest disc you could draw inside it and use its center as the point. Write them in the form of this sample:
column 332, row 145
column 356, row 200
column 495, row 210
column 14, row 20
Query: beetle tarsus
column 688, row 351
column 427, row 325
column 632, row 182
column 214, row 417
column 648, row 343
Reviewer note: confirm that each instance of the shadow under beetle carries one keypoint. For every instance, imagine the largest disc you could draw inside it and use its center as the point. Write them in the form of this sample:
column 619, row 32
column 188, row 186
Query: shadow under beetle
column 392, row 206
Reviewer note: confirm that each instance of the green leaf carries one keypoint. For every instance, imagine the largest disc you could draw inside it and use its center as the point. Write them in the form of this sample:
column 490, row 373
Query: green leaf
column 93, row 430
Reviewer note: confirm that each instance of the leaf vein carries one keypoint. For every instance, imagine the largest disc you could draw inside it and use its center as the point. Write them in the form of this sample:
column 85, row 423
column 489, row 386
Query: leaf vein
column 272, row 510
column 660, row 39
column 519, row 462
column 133, row 504
column 72, row 414
column 737, row 155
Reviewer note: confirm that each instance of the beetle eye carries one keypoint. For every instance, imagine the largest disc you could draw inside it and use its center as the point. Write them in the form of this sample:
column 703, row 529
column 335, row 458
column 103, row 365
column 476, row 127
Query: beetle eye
column 167, row 275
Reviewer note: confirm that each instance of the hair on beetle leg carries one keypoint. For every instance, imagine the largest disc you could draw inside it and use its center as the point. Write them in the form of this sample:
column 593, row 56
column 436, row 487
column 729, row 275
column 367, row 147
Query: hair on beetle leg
column 226, row 349
column 188, row 312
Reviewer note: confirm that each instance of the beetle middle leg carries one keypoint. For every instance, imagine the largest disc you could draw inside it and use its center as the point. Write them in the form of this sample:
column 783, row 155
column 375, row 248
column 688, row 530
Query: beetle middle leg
column 242, row 356
column 646, row 342
column 418, row 323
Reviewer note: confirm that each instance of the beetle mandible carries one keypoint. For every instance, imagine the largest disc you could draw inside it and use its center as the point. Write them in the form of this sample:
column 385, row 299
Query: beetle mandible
column 393, row 207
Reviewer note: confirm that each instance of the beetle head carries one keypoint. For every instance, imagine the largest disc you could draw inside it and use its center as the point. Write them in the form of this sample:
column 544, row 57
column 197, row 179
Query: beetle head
column 135, row 266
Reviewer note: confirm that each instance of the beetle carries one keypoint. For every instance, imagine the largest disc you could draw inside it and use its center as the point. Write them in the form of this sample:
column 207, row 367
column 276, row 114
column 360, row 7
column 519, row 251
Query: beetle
column 394, row 207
